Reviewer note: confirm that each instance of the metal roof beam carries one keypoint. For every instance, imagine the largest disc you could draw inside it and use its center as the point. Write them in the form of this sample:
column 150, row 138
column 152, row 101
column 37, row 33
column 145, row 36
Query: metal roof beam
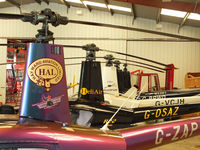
column 175, row 5
column 46, row 1
column 183, row 21
column 14, row 3
column 186, row 16
column 66, row 4
column 38, row 1
column 158, row 16
column 86, row 6
column 133, row 12
column 110, row 10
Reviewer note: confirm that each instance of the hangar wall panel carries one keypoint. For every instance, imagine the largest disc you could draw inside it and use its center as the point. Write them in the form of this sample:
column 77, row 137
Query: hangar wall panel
column 184, row 55
column 3, row 56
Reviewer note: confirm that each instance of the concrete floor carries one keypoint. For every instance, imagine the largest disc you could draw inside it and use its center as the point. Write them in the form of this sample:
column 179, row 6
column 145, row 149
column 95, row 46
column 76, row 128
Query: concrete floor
column 187, row 144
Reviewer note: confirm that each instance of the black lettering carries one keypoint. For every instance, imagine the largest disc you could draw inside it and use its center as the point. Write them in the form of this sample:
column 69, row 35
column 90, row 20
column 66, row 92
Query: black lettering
column 172, row 102
column 157, row 103
column 181, row 101
column 167, row 102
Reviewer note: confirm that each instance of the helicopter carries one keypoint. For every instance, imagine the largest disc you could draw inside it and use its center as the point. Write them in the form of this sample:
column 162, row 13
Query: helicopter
column 96, row 104
column 106, row 111
column 94, row 109
column 44, row 120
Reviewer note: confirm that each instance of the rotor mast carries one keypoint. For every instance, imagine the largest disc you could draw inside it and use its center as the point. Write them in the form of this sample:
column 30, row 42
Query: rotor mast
column 45, row 17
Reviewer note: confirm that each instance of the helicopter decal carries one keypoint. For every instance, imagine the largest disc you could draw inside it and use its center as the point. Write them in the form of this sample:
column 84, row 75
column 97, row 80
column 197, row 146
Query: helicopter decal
column 170, row 102
column 161, row 112
column 85, row 91
column 181, row 132
column 45, row 72
column 48, row 102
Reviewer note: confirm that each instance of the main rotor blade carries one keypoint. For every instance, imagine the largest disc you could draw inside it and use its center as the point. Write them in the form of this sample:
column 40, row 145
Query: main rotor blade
column 72, row 46
column 13, row 44
column 141, row 63
column 79, row 57
column 73, row 64
column 11, row 16
column 7, row 63
column 126, row 39
column 134, row 29
column 74, row 58
column 142, row 58
column 145, row 67
column 75, row 46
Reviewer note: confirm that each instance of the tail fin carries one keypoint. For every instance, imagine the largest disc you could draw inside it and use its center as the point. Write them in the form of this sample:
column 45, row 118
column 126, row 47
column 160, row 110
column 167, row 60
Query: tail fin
column 45, row 92
column 110, row 83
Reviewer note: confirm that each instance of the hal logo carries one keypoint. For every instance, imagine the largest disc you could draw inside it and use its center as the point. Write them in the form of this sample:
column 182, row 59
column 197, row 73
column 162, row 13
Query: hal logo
column 45, row 72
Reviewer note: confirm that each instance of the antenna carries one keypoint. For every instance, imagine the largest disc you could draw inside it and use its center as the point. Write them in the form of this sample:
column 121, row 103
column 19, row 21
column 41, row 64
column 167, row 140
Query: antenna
column 105, row 127
column 139, row 94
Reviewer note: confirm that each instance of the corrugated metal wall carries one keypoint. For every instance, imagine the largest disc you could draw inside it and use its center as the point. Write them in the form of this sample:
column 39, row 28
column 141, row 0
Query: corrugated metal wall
column 184, row 55
column 3, row 56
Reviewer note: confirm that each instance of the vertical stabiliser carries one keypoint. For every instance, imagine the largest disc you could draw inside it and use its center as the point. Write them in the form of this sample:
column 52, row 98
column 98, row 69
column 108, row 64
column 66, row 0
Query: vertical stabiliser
column 90, row 86
column 45, row 92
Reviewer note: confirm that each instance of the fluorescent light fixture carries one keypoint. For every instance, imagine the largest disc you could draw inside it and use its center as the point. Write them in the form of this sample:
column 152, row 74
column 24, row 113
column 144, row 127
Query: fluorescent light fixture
column 2, row 0
column 119, row 8
column 194, row 16
column 174, row 13
column 94, row 4
column 74, row 1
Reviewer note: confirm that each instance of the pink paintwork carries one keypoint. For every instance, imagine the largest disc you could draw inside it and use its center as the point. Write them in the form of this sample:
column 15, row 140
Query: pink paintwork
column 51, row 135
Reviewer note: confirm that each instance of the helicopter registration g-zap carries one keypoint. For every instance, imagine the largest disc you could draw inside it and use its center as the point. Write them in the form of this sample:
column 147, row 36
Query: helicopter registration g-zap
column 44, row 120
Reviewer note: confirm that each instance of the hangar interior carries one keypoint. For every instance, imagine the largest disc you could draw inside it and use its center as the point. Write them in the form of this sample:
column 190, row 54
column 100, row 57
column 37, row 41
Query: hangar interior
column 182, row 53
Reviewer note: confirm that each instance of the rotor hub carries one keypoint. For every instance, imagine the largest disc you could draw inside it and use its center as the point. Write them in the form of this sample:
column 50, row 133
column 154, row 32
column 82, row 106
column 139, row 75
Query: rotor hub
column 91, row 50
column 45, row 17
column 109, row 59
column 117, row 63
column 125, row 67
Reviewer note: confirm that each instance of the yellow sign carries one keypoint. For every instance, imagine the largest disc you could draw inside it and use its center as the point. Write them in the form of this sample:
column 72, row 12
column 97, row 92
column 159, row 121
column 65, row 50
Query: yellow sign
column 45, row 72
column 111, row 122
column 165, row 112
column 85, row 91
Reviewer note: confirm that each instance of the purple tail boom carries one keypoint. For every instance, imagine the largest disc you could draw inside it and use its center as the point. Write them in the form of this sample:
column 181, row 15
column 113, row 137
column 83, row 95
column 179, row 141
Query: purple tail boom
column 142, row 138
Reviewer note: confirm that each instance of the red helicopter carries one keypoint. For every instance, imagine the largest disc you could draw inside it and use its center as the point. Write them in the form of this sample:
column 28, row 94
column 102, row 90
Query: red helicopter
column 44, row 120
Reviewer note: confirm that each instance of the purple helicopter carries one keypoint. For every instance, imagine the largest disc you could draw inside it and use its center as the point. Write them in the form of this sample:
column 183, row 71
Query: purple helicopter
column 44, row 120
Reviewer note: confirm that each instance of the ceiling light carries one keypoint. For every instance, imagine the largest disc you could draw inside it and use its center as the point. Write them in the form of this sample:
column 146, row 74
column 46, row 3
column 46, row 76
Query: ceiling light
column 194, row 16
column 74, row 1
column 2, row 0
column 119, row 8
column 174, row 13
column 94, row 4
